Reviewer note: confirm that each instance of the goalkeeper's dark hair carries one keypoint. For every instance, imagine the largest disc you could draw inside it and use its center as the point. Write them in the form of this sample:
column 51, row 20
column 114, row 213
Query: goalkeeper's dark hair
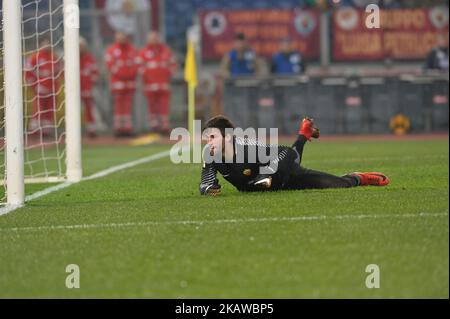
column 220, row 122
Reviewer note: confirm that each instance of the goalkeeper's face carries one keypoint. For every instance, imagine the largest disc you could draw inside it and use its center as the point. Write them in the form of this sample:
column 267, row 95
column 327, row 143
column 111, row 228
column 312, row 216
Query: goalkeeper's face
column 215, row 141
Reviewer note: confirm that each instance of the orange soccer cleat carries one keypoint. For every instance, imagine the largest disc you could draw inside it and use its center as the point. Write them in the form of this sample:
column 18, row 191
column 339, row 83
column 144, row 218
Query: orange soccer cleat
column 308, row 130
column 372, row 179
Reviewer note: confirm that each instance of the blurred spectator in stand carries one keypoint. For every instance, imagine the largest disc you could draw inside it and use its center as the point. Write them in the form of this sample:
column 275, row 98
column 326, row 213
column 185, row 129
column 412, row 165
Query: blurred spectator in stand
column 437, row 59
column 241, row 60
column 157, row 66
column 43, row 73
column 88, row 79
column 122, row 63
column 287, row 61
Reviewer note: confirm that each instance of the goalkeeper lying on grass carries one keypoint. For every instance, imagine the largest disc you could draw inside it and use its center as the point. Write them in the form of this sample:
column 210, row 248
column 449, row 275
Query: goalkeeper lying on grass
column 231, row 156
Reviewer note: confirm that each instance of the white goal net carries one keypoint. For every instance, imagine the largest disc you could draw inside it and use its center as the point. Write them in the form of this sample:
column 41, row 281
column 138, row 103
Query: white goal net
column 43, row 93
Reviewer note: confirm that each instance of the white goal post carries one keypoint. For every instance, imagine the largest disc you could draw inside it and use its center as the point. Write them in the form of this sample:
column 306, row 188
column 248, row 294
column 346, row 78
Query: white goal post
column 12, row 34
column 72, row 89
column 14, row 129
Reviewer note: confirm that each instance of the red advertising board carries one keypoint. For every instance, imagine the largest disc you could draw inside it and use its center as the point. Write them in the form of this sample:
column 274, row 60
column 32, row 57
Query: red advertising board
column 263, row 28
column 403, row 33
column 120, row 20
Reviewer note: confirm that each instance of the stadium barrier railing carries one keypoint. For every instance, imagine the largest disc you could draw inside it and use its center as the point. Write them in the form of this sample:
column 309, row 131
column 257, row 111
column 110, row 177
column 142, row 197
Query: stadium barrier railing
column 343, row 105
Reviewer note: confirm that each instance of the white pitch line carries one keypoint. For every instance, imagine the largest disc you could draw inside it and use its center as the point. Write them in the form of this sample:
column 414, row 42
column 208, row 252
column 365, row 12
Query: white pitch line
column 48, row 191
column 218, row 221
column 115, row 169
column 365, row 159
column 106, row 172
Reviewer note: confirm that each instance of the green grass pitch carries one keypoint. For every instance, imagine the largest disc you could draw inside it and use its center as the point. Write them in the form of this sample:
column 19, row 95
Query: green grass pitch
column 145, row 232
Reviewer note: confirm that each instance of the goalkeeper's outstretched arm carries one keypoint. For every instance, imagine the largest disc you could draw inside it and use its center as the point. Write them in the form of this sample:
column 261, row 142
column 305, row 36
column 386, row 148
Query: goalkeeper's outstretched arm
column 209, row 185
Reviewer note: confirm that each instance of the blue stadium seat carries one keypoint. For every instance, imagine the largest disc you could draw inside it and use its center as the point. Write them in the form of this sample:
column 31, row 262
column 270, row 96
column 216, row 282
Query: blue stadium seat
column 29, row 6
column 347, row 3
column 181, row 6
column 201, row 4
column 361, row 4
column 262, row 4
column 211, row 5
column 236, row 4
column 85, row 4
column 289, row 4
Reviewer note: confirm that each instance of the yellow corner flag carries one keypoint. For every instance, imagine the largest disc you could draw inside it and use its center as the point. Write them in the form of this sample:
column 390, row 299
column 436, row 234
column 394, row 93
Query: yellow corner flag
column 190, row 68
column 190, row 76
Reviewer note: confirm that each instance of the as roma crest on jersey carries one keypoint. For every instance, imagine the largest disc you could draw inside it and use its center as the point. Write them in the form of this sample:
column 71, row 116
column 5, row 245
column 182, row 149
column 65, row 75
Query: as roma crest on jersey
column 247, row 172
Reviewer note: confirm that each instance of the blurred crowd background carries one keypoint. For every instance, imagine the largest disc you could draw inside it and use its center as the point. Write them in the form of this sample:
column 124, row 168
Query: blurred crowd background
column 265, row 63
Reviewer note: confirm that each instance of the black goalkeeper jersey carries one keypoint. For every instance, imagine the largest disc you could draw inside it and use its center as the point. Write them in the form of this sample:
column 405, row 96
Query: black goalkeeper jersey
column 247, row 163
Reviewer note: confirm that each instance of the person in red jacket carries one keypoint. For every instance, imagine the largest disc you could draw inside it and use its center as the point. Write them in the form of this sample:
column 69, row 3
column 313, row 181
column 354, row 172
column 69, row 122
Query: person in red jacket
column 157, row 66
column 88, row 77
column 43, row 72
column 122, row 63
